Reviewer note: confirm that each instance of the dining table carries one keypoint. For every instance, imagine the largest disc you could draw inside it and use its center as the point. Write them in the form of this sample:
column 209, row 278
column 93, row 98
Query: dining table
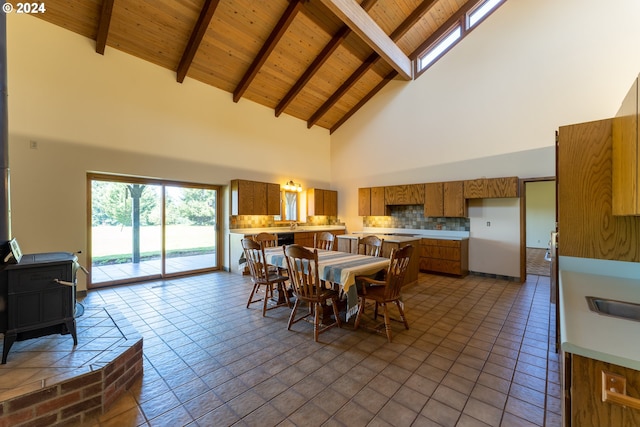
column 339, row 268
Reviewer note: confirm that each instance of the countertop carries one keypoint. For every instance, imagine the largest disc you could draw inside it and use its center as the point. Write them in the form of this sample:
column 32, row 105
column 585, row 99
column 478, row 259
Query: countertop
column 593, row 335
column 388, row 233
column 279, row 230
column 386, row 237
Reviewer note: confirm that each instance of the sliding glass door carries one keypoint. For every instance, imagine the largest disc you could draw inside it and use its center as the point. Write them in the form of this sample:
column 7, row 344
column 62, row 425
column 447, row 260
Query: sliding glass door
column 144, row 229
column 190, row 239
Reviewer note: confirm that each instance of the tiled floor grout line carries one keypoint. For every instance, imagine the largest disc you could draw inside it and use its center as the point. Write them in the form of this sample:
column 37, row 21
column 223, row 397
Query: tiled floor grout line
column 465, row 323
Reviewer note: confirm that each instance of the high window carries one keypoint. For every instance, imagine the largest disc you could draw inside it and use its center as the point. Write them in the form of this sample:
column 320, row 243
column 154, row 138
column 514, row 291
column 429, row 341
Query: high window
column 445, row 40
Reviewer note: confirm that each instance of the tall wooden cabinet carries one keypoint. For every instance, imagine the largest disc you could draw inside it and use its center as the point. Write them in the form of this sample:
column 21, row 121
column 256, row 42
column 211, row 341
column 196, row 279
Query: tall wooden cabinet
column 626, row 156
column 587, row 227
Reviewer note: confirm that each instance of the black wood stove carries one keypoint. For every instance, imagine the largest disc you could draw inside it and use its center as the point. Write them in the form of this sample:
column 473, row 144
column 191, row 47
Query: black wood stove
column 40, row 295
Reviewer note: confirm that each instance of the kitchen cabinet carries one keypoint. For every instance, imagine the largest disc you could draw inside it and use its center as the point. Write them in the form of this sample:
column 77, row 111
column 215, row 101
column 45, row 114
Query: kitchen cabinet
column 588, row 229
column 322, row 202
column 445, row 199
column 303, row 238
column 445, row 256
column 626, row 156
column 371, row 201
column 583, row 393
column 306, row 238
column 491, row 188
column 254, row 198
column 412, row 194
column 413, row 268
column 434, row 199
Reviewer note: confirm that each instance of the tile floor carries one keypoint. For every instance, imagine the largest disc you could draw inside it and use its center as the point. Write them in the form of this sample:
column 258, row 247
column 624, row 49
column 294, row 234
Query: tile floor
column 478, row 353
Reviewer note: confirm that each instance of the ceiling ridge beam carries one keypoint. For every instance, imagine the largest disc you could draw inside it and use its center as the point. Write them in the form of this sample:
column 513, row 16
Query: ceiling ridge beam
column 317, row 63
column 103, row 26
column 366, row 28
column 366, row 65
column 453, row 19
column 396, row 35
column 273, row 39
column 364, row 100
column 200, row 29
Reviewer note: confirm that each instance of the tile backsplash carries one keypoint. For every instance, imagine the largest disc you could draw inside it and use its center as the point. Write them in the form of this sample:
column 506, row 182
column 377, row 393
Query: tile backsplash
column 264, row 221
column 412, row 217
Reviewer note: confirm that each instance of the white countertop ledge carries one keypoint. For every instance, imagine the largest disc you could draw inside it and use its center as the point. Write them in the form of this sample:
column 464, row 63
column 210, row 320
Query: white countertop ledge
column 589, row 334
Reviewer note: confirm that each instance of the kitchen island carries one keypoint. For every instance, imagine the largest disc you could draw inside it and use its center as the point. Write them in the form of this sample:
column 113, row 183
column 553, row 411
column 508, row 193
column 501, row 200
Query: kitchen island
column 437, row 251
column 593, row 343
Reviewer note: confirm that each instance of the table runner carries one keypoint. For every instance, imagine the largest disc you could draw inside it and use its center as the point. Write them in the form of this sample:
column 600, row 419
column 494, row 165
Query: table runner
column 338, row 267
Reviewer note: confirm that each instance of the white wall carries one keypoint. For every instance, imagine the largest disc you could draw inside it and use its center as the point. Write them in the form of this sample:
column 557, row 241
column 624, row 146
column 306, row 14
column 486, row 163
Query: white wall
column 117, row 114
column 540, row 213
column 491, row 105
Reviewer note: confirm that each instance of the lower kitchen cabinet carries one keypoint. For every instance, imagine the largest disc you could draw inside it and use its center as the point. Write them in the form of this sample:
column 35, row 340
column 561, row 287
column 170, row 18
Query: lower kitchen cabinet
column 413, row 268
column 305, row 238
column 445, row 256
column 583, row 405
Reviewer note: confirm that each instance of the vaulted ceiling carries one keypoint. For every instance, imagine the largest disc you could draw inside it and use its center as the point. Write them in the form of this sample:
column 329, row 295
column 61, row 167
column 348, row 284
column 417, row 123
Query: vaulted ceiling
column 316, row 60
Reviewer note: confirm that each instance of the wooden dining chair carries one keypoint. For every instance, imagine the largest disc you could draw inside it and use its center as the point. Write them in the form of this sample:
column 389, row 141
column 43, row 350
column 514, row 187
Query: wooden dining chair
column 370, row 245
column 302, row 264
column 323, row 240
column 267, row 240
column 263, row 276
column 387, row 291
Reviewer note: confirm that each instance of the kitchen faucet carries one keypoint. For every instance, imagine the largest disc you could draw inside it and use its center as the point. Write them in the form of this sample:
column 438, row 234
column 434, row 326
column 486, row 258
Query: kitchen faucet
column 293, row 225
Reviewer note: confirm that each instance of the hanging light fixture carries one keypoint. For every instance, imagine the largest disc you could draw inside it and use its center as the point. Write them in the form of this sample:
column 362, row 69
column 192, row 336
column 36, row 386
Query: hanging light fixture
column 292, row 186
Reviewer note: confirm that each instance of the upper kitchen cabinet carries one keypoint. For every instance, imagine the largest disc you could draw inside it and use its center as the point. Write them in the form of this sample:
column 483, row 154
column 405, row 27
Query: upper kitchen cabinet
column 254, row 198
column 371, row 201
column 434, row 199
column 412, row 194
column 455, row 205
column 445, row 199
column 626, row 156
column 490, row 188
column 322, row 202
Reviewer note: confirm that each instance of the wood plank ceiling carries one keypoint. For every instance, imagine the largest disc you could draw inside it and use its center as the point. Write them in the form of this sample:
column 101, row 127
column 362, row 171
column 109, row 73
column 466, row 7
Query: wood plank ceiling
column 316, row 60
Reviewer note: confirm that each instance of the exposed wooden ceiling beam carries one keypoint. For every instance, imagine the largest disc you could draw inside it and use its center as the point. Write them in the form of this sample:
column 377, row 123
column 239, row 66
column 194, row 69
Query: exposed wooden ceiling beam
column 275, row 36
column 396, row 35
column 317, row 63
column 412, row 19
column 364, row 100
column 103, row 26
column 206, row 14
column 366, row 65
column 313, row 68
column 366, row 28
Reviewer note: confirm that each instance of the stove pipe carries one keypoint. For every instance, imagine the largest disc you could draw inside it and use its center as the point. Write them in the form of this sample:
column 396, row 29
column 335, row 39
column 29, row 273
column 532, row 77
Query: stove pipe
column 5, row 213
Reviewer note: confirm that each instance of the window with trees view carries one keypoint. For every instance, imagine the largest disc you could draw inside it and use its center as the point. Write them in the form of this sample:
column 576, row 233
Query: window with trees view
column 142, row 229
